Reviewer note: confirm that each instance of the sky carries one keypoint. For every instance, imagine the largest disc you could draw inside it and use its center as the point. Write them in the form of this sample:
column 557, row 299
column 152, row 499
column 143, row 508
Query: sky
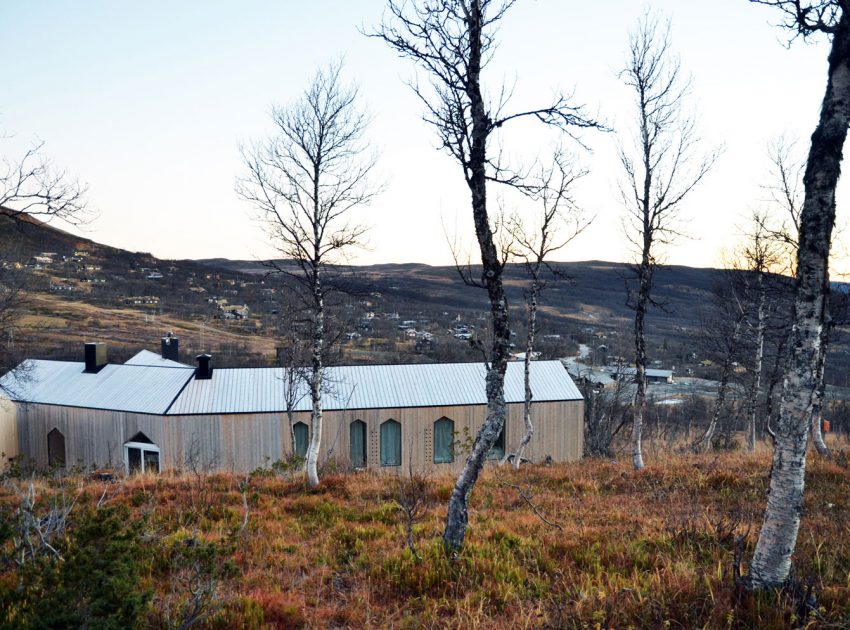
column 149, row 102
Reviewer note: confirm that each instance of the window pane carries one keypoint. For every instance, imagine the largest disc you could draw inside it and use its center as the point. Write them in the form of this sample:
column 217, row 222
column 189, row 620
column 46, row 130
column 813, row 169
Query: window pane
column 391, row 443
column 302, row 436
column 444, row 430
column 358, row 444
column 134, row 460
column 56, row 449
column 151, row 461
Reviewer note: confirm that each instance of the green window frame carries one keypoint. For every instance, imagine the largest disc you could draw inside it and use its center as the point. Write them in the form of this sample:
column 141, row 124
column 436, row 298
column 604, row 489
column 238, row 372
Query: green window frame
column 357, row 443
column 391, row 443
column 302, row 438
column 444, row 436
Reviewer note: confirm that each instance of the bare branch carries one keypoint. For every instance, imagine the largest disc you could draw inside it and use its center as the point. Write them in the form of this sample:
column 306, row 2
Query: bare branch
column 33, row 186
column 661, row 168
column 304, row 183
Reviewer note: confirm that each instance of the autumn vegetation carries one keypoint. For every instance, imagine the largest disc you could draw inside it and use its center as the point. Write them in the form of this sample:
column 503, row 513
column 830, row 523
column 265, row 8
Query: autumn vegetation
column 583, row 545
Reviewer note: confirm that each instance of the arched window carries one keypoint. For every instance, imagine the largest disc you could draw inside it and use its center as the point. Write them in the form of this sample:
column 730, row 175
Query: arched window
column 302, row 437
column 498, row 450
column 444, row 436
column 357, row 443
column 391, row 443
column 56, row 449
column 141, row 454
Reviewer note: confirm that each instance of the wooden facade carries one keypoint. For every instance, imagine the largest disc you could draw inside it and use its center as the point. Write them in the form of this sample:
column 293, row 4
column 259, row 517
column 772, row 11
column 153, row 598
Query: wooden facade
column 242, row 442
column 9, row 447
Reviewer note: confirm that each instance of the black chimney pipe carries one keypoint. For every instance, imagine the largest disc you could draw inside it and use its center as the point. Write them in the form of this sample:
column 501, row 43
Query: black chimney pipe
column 95, row 356
column 170, row 347
column 203, row 371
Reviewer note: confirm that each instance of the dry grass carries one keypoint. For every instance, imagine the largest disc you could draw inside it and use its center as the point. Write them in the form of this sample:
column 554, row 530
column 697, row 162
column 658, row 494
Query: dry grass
column 126, row 328
column 649, row 550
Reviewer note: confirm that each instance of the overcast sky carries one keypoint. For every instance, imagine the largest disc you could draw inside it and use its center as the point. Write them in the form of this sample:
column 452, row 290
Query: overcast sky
column 148, row 103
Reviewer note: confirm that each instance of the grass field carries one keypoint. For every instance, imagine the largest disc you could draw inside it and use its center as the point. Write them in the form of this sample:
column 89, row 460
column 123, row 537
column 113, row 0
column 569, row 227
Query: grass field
column 652, row 549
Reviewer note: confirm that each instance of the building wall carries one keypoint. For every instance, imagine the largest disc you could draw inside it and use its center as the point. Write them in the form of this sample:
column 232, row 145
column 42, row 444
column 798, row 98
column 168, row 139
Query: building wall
column 244, row 442
column 8, row 433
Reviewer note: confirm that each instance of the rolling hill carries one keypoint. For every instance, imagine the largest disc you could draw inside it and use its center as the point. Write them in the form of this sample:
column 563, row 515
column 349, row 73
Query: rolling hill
column 83, row 290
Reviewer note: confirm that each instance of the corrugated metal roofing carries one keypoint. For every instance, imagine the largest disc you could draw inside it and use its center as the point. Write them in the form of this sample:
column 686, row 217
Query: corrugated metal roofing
column 146, row 357
column 260, row 390
column 649, row 372
column 133, row 388
column 174, row 391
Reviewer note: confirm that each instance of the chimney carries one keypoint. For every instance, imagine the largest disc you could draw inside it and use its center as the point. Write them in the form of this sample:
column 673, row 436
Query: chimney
column 170, row 347
column 203, row 371
column 95, row 354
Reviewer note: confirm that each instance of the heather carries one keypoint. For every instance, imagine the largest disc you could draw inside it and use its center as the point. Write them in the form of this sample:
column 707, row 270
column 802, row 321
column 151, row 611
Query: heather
column 582, row 545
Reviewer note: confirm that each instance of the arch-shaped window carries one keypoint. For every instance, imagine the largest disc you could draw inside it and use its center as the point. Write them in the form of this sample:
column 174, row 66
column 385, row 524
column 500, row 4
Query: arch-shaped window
column 498, row 450
column 302, row 438
column 141, row 455
column 391, row 443
column 357, row 443
column 56, row 449
column 444, row 436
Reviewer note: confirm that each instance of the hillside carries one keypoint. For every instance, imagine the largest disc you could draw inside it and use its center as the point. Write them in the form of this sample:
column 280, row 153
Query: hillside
column 83, row 290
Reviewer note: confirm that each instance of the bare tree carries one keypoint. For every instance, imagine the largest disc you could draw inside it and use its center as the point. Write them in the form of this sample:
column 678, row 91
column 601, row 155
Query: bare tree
column 293, row 357
column 721, row 333
column 661, row 168
column 305, row 181
column 33, row 186
column 759, row 256
column 560, row 221
column 452, row 41
column 604, row 413
column 778, row 536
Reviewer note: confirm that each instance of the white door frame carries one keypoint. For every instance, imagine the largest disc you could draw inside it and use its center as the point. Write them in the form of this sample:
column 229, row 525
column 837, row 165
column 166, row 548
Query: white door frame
column 142, row 446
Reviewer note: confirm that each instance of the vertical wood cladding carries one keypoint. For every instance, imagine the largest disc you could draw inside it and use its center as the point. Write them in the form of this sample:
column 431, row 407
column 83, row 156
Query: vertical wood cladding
column 244, row 442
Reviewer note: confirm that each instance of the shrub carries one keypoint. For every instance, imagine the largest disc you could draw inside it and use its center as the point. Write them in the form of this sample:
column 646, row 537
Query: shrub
column 96, row 584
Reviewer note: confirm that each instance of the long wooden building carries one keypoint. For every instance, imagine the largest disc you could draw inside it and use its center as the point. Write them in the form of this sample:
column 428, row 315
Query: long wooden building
column 154, row 413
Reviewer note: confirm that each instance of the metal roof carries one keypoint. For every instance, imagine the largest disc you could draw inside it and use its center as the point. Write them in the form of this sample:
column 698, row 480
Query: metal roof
column 146, row 357
column 174, row 390
column 133, row 388
column 260, row 390
column 649, row 372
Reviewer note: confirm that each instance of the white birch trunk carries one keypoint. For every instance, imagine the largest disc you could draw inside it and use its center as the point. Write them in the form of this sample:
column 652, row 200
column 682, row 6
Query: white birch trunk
column 316, row 396
column 817, row 401
column 778, row 536
column 529, row 348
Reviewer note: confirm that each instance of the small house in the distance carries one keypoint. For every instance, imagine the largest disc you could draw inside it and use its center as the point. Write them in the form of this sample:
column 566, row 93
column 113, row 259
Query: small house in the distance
column 155, row 413
column 652, row 375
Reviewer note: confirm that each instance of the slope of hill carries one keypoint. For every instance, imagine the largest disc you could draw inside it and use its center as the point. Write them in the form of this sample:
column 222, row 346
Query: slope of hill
column 85, row 290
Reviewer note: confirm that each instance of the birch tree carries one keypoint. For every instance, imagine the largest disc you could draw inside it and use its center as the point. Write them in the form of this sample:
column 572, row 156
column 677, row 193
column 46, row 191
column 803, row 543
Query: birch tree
column 293, row 358
column 722, row 334
column 559, row 222
column 759, row 256
column 777, row 540
column 661, row 167
column 451, row 42
column 787, row 194
column 31, row 185
column 34, row 186
column 306, row 181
